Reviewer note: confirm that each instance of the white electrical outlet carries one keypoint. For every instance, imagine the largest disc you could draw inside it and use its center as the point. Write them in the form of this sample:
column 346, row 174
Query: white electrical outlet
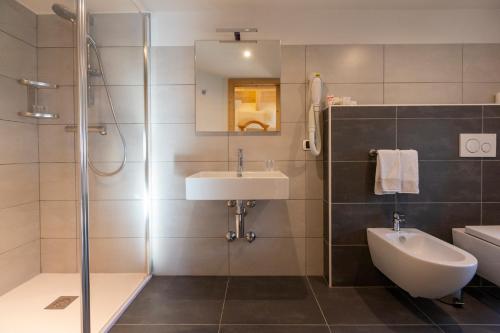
column 478, row 145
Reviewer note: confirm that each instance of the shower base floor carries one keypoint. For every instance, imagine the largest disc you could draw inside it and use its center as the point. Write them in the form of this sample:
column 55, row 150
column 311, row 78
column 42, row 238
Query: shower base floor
column 23, row 308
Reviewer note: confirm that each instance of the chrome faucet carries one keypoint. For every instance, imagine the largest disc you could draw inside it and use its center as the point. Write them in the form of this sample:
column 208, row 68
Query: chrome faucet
column 397, row 219
column 240, row 163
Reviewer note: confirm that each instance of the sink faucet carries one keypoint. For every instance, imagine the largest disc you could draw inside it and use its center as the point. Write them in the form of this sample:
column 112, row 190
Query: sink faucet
column 240, row 163
column 397, row 219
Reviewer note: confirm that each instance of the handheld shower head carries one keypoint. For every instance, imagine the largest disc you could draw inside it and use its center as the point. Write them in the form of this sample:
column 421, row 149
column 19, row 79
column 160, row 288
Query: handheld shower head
column 64, row 12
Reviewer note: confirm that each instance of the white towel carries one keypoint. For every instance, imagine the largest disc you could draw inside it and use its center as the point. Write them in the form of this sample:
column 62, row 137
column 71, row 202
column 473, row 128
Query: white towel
column 388, row 172
column 409, row 171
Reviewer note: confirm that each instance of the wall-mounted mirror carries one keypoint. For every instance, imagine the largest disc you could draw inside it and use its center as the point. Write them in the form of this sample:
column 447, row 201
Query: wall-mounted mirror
column 238, row 86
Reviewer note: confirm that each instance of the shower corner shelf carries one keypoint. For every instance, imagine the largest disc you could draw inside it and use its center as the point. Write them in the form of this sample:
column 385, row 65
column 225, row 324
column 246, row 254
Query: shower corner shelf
column 37, row 111
column 37, row 84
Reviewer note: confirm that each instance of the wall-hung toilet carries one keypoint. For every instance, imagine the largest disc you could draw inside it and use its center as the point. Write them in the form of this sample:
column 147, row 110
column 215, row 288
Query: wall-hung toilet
column 484, row 243
column 421, row 264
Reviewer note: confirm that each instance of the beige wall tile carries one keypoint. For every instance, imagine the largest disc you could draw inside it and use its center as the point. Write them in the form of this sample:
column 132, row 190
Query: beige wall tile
column 59, row 256
column 55, row 65
column 122, row 65
column 58, row 101
column 52, row 31
column 18, row 184
column 275, row 218
column 58, row 219
column 182, row 218
column 169, row 177
column 293, row 103
column 314, row 266
column 19, row 142
column 172, row 65
column 124, row 29
column 480, row 93
column 286, row 145
column 190, row 256
column 180, row 142
column 19, row 225
column 127, row 100
column 21, row 264
column 17, row 59
column 314, row 180
column 423, row 93
column 288, row 257
column 117, row 219
column 363, row 93
column 423, row 63
column 18, row 21
column 173, row 104
column 293, row 60
column 314, row 218
column 109, row 147
column 13, row 98
column 57, row 181
column 482, row 63
column 126, row 185
column 346, row 63
column 118, row 255
column 56, row 145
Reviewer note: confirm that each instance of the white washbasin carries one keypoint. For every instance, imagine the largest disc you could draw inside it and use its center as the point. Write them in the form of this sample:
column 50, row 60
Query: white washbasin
column 419, row 263
column 226, row 185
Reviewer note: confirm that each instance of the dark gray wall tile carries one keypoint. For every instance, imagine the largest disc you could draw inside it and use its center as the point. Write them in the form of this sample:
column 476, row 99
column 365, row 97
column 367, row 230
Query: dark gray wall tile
column 353, row 266
column 352, row 139
column 492, row 110
column 492, row 125
column 447, row 181
column 439, row 219
column 491, row 214
column 354, row 182
column 441, row 111
column 363, row 112
column 435, row 139
column 350, row 221
column 491, row 181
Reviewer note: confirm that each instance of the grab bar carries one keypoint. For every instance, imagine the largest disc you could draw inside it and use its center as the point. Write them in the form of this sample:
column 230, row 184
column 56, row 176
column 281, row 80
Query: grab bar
column 96, row 129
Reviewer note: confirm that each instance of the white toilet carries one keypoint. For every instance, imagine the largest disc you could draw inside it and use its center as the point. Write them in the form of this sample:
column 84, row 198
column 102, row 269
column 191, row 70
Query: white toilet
column 419, row 263
column 484, row 243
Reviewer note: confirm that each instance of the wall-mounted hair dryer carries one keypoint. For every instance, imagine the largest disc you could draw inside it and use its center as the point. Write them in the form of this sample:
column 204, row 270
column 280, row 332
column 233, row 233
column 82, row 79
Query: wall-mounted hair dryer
column 315, row 91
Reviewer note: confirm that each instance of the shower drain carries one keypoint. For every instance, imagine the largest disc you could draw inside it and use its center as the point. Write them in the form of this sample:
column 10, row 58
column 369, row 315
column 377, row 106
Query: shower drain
column 61, row 302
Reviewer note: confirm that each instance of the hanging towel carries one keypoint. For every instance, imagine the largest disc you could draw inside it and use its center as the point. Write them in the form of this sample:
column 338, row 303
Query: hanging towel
column 388, row 172
column 409, row 171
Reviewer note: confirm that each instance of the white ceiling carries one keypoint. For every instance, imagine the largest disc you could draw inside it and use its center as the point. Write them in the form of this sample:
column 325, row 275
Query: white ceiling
column 107, row 6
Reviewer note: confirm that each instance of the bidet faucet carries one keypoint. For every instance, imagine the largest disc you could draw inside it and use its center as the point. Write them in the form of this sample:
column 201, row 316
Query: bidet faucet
column 240, row 163
column 397, row 219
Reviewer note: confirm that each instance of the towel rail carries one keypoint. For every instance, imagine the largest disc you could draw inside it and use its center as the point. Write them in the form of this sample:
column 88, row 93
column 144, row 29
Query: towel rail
column 372, row 152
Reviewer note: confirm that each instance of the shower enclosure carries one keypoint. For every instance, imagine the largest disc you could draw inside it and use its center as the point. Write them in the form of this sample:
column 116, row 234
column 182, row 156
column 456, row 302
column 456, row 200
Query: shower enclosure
column 74, row 163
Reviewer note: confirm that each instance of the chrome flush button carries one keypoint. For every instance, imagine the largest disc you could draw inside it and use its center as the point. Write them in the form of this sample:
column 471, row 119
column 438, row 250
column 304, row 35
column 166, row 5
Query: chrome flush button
column 486, row 147
column 472, row 145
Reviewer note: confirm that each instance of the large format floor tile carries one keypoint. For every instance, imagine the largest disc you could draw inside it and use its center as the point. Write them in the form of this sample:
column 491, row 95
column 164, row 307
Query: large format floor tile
column 178, row 300
column 278, row 300
column 165, row 329
column 386, row 329
column 274, row 329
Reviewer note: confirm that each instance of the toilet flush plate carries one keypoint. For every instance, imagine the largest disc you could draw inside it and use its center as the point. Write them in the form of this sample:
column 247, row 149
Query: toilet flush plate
column 478, row 145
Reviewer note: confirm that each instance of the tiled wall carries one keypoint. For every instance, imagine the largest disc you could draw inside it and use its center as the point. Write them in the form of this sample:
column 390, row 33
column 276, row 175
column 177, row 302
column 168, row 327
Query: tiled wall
column 454, row 191
column 117, row 210
column 19, row 221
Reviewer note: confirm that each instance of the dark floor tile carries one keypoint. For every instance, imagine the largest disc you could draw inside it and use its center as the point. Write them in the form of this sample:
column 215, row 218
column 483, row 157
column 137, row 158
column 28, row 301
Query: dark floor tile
column 353, row 139
column 270, row 300
column 350, row 221
column 447, row 181
column 479, row 308
column 435, row 139
column 165, row 329
column 491, row 181
column 386, row 329
column 367, row 306
column 275, row 329
column 439, row 111
column 438, row 219
column 178, row 300
column 353, row 182
column 470, row 329
column 353, row 266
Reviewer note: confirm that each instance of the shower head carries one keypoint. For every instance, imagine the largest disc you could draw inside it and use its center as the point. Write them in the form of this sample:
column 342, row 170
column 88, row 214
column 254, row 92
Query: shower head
column 64, row 12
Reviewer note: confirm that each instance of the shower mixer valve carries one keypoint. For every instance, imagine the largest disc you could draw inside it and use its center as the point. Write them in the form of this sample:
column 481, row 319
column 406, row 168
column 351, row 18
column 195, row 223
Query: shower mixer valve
column 241, row 212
